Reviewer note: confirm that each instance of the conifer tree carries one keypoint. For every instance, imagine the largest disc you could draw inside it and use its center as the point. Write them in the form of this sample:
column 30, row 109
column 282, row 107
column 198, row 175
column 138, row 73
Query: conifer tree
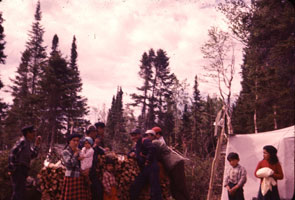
column 116, row 134
column 268, row 87
column 26, row 89
column 20, row 112
column 161, row 87
column 3, row 105
column 185, row 136
column 196, row 115
column 54, row 85
column 142, row 99
column 76, row 106
column 2, row 41
column 37, row 51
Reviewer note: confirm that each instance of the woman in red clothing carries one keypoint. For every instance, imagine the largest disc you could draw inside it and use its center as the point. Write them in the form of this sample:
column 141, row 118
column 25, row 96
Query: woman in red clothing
column 270, row 160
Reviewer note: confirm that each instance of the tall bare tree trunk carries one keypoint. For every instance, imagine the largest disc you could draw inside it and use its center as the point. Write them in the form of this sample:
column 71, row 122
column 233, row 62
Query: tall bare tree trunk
column 216, row 159
column 255, row 110
column 275, row 117
column 52, row 135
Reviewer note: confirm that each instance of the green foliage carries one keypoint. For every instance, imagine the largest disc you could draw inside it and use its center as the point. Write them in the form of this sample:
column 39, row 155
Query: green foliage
column 46, row 89
column 198, row 176
column 2, row 42
column 116, row 134
column 268, row 85
column 156, row 88
column 6, row 188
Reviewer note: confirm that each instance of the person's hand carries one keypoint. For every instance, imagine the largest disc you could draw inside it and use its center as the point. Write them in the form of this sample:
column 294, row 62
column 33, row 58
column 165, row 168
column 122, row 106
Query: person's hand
column 81, row 158
column 38, row 141
column 233, row 190
column 85, row 172
column 107, row 149
column 132, row 154
column 76, row 152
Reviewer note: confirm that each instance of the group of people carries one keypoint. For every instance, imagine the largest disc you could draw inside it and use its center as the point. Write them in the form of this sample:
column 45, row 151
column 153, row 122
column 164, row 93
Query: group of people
column 85, row 180
column 268, row 171
column 152, row 153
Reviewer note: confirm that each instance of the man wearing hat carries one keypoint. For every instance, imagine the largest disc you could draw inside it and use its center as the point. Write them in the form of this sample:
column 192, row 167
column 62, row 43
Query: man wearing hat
column 95, row 172
column 174, row 164
column 145, row 154
column 19, row 160
column 100, row 126
column 159, row 134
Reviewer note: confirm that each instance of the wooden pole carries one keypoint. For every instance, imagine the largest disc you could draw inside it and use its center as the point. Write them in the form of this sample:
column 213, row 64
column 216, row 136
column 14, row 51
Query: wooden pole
column 215, row 160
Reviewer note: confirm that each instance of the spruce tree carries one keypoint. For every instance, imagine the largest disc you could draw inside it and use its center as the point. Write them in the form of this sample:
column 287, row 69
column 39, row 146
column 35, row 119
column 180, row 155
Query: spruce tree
column 37, row 51
column 54, row 85
column 3, row 105
column 185, row 136
column 116, row 134
column 267, row 95
column 26, row 89
column 2, row 41
column 142, row 99
column 161, row 87
column 76, row 106
column 20, row 113
column 196, row 115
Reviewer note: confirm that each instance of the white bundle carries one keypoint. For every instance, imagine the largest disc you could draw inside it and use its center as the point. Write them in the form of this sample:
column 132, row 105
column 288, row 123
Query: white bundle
column 267, row 181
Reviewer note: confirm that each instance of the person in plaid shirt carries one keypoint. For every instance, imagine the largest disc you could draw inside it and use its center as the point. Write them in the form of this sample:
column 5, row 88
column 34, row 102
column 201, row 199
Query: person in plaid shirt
column 73, row 186
column 19, row 161
column 109, row 181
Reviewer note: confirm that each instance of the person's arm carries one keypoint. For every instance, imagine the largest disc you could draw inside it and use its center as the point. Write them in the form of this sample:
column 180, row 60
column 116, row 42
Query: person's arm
column 89, row 153
column 278, row 173
column 35, row 149
column 242, row 181
column 243, row 178
column 151, row 151
column 226, row 178
column 70, row 160
column 12, row 159
column 257, row 168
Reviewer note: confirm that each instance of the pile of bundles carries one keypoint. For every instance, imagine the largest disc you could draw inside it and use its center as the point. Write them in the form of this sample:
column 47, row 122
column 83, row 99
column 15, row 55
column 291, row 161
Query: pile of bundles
column 51, row 180
column 125, row 171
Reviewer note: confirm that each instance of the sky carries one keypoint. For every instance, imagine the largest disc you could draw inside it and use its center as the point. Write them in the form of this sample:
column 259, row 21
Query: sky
column 111, row 37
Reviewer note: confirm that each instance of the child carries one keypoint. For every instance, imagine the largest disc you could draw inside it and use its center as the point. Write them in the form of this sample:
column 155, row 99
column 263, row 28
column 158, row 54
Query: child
column 271, row 162
column 235, row 178
column 109, row 182
column 86, row 157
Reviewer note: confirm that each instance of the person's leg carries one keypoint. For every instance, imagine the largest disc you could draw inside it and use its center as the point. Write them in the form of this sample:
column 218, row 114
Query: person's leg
column 100, row 190
column 94, row 187
column 18, row 179
column 138, row 184
column 178, row 183
column 154, row 178
column 239, row 194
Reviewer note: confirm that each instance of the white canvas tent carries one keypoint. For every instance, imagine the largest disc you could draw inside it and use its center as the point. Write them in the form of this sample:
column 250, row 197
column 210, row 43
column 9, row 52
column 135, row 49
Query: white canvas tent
column 250, row 148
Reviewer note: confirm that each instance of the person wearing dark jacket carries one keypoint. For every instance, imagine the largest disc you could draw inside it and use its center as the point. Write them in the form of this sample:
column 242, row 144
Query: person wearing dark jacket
column 173, row 163
column 144, row 153
column 95, row 172
column 19, row 161
column 100, row 126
